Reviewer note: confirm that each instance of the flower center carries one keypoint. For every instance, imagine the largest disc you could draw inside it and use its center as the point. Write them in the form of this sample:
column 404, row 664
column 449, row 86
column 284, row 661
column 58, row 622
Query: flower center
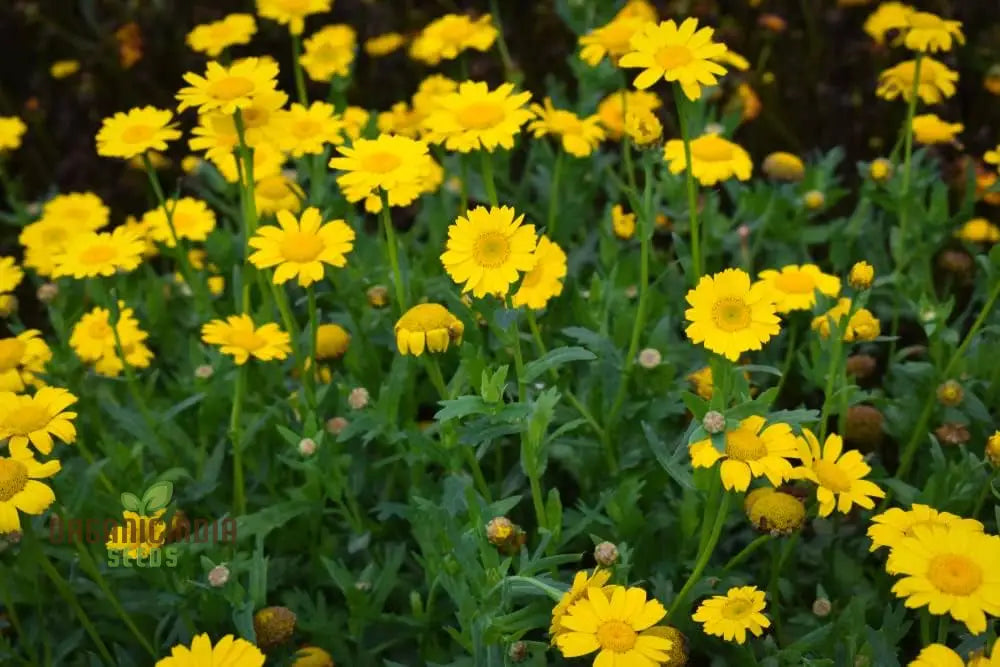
column 380, row 162
column 99, row 330
column 305, row 128
column 255, row 116
column 795, row 282
column 301, row 247
column 13, row 478
column 274, row 188
column 54, row 235
column 491, row 249
column 28, row 417
column 135, row 134
column 480, row 115
column 231, row 87
column 925, row 21
column 735, row 609
column 831, row 476
column 563, row 122
column 11, row 351
column 731, row 314
column 616, row 636
column 247, row 340
column 743, row 445
column 98, row 254
column 712, row 149
column 671, row 57
column 954, row 574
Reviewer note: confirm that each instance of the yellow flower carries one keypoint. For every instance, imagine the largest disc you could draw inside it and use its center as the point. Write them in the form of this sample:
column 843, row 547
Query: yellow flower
column 839, row 478
column 730, row 616
column 611, row 40
column 979, row 230
column 312, row 656
column 138, row 534
column 939, row 655
column 430, row 89
column 813, row 200
column 22, row 359
column 229, row 652
column 729, row 315
column 487, row 248
column 427, row 325
column 861, row 276
column 784, row 166
column 748, row 102
column 475, row 116
column 450, row 35
column 292, row 12
column 395, row 165
column 228, row 88
column 937, row 82
column 880, row 170
column 951, row 570
column 384, row 44
column 582, row 582
column 888, row 16
column 329, row 52
column 355, row 121
column 93, row 341
column 215, row 37
column 734, row 60
column 83, row 211
column 794, row 287
column 862, row 326
column 643, row 127
column 580, row 136
column 926, row 32
column 216, row 135
column 891, row 526
column 616, row 623
column 622, row 223
column 612, row 109
column 21, row 490
column 99, row 254
column 401, row 120
column 637, row 9
column 267, row 162
column 308, row 130
column 238, row 337
column 993, row 449
column 775, row 512
column 301, row 248
column 36, row 419
column 713, row 159
column 544, row 280
column 332, row 341
column 702, row 381
column 682, row 53
column 929, row 129
column 11, row 274
column 277, row 193
column 12, row 129
column 192, row 219
column 752, row 450
column 61, row 69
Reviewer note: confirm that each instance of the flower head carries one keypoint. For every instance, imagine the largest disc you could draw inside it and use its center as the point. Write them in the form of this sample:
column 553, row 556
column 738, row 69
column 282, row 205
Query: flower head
column 312, row 656
column 237, row 336
column 20, row 489
column 332, row 341
column 274, row 626
column 993, row 449
column 36, row 419
column 476, row 117
column 93, row 341
column 682, row 53
column 887, row 17
column 94, row 254
column 130, row 133
column 622, row 223
column 329, row 52
column 775, row 512
column 794, row 287
column 861, row 276
column 862, row 325
column 427, row 325
column 784, row 166
column 582, row 582
column 229, row 652
column 215, row 37
column 228, row 88
column 191, row 218
column 729, row 315
column 926, row 32
column 395, row 165
column 11, row 274
column 643, row 127
column 292, row 12
column 580, row 136
column 838, row 475
column 752, row 450
column 12, row 129
column 612, row 109
column 929, row 129
column 22, row 360
column 544, row 280
column 937, row 82
column 880, row 170
column 979, row 230
column 83, row 211
column 612, row 40
column 730, row 616
column 713, row 159
column 384, row 44
column 450, row 35
column 487, row 248
column 939, row 655
column 307, row 130
column 301, row 247
column 891, row 526
column 277, row 192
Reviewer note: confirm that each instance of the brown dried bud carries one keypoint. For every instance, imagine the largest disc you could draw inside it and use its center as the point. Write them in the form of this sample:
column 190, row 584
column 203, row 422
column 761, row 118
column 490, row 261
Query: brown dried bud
column 274, row 626
column 518, row 652
column 861, row 366
column 958, row 263
column 606, row 554
column 952, row 434
column 864, row 427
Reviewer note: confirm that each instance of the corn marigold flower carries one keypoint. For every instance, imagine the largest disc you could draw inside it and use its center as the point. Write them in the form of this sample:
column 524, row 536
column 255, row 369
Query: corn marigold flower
column 138, row 535
column 730, row 616
column 880, row 170
column 238, row 337
column 993, row 449
column 752, row 450
column 276, row 193
column 83, row 211
column 332, row 341
column 643, row 127
column 487, row 249
column 862, row 326
column 611, row 111
column 22, row 360
column 11, row 274
column 951, row 570
column 926, row 32
column 979, row 230
column 939, row 655
column 784, row 166
column 229, row 651
column 929, row 129
column 300, row 248
column 682, row 53
column 713, row 159
column 544, row 281
column 292, row 12
column 384, row 44
column 355, row 121
column 775, row 512
column 427, row 326
column 580, row 136
column 611, row 40
column 141, row 231
column 192, row 220
column 312, row 656
column 228, row 89
column 424, row 101
column 887, row 17
column 20, row 489
column 93, row 340
column 622, row 223
column 891, row 526
column 62, row 69
column 729, row 315
column 392, row 164
column 701, row 381
column 861, row 275
column 401, row 120
column 814, row 200
column 215, row 37
column 94, row 254
column 307, row 130
column 12, row 129
column 476, row 117
column 36, row 419
column 615, row 623
column 329, row 52
column 838, row 475
column 677, row 656
column 794, row 287
column 445, row 38
column 582, row 582
column 937, row 82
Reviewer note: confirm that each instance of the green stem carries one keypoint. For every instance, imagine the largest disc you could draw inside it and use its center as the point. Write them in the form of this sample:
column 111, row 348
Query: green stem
column 390, row 241
column 235, row 437
column 692, row 193
column 130, row 379
column 463, row 182
column 746, row 552
column 772, row 585
column 703, row 556
column 786, row 366
column 508, row 64
column 515, row 334
column 837, row 342
column 550, row 227
column 310, row 376
column 908, row 153
column 942, row 631
column 925, row 627
column 488, row 180
column 300, row 81
column 981, row 499
column 538, row 502
column 556, row 595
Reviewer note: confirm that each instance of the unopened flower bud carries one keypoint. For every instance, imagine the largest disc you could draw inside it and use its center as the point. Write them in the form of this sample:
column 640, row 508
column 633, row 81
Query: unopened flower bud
column 822, row 607
column 814, row 199
column 631, row 291
column 993, row 449
column 714, row 422
column 307, row 446
column 880, row 170
column 744, row 233
column 48, row 292
column 952, row 434
column 312, row 656
column 499, row 530
column 358, row 398
column 861, row 366
column 518, row 652
column 606, row 554
column 378, row 296
column 274, row 626
column 861, row 275
column 950, row 393
column 650, row 358
column 775, row 512
column 218, row 576
column 335, row 425
column 362, row 585
column 204, row 371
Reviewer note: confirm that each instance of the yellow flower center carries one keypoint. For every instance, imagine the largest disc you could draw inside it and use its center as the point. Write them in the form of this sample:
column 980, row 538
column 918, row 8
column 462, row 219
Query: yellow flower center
column 54, row 235
column 303, row 129
column 744, row 445
column 731, row 314
column 795, row 282
column 831, row 476
column 480, row 115
column 231, row 87
column 954, row 574
column 11, row 351
column 247, row 340
column 380, row 162
column 99, row 330
column 301, row 247
column 671, row 57
column 925, row 21
column 712, row 148
column 735, row 610
column 616, row 636
column 13, row 478
column 136, row 134
column 98, row 254
column 491, row 249
column 27, row 418
column 255, row 116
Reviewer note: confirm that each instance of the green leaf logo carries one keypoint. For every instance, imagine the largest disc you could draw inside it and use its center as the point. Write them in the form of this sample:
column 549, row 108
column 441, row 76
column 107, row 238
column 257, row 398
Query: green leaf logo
column 130, row 502
column 157, row 497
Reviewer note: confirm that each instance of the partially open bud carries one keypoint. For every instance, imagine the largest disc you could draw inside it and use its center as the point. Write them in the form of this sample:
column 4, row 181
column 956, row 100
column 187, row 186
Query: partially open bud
column 274, row 626
column 48, row 292
column 218, row 576
column 505, row 535
column 335, row 425
column 814, row 200
column 643, row 127
column 782, row 166
column 880, row 170
column 714, row 422
column 378, row 296
column 312, row 656
column 606, row 554
column 861, row 275
column 950, row 393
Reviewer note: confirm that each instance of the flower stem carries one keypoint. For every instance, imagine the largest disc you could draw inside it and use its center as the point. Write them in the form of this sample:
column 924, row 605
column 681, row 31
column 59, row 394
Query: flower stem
column 130, row 379
column 556, row 595
column 907, row 155
column 515, row 334
column 488, row 181
column 313, row 365
column 831, row 376
column 508, row 64
column 692, row 193
column 300, row 81
column 747, row 550
column 15, row 619
column 550, row 227
column 390, row 241
column 703, row 556
column 239, row 492
column 978, row 506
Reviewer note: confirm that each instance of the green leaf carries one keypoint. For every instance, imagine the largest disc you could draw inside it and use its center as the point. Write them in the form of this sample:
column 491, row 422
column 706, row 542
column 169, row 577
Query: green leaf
column 130, row 502
column 670, row 464
column 491, row 386
column 462, row 406
column 696, row 404
column 555, row 358
column 554, row 513
column 758, row 368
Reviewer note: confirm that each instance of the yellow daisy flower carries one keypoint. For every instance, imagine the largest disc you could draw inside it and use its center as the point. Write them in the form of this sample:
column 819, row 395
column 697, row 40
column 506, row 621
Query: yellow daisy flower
column 83, row 211
column 937, row 82
column 43, row 240
column 729, row 315
column 93, row 340
column 544, row 280
column 307, row 130
column 36, row 419
column 979, row 230
column 794, row 286
column 355, row 121
column 262, row 119
column 611, row 110
column 20, row 489
column 131, row 133
column 487, row 248
column 192, row 220
column 682, row 53
column 229, row 652
column 701, row 380
column 582, row 582
column 926, row 32
column 730, row 616
column 390, row 163
column 622, row 223
column 643, row 127
column 611, row 40
column 138, row 534
column 332, row 341
column 862, row 326
column 267, row 162
column 238, row 337
column 401, row 120
column 476, row 117
column 713, row 159
column 276, row 193
column 894, row 524
column 951, row 571
column 137, row 355
column 427, row 325
column 992, row 157
column 215, row 37
column 140, row 230
column 329, row 52
column 580, row 136
column 888, row 16
column 752, row 450
column 638, row 9
column 12, row 129
column 784, row 166
column 384, row 44
column 861, row 275
column 939, row 655
column 22, row 360
column 99, row 254
column 292, row 12
column 839, row 475
column 616, row 624
column 228, row 88
column 929, row 129
column 11, row 274
column 450, row 35
column 430, row 89
column 301, row 248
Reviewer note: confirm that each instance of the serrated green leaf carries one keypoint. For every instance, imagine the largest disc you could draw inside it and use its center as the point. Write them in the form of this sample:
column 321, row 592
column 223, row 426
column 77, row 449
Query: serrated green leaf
column 554, row 359
column 463, row 406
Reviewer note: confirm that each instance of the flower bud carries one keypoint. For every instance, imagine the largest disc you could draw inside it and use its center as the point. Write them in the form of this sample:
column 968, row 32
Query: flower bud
column 864, row 427
column 714, row 422
column 335, row 425
column 993, row 449
column 48, row 292
column 650, row 358
column 822, row 607
column 518, row 652
column 378, row 296
column 499, row 530
column 204, row 371
column 8, row 304
column 606, row 554
column 218, row 576
column 358, row 398
column 782, row 166
column 777, row 513
column 274, row 626
column 312, row 656
column 950, row 393
column 952, row 434
column 861, row 366
column 861, row 275
column 307, row 447
column 880, row 170
column 813, row 200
